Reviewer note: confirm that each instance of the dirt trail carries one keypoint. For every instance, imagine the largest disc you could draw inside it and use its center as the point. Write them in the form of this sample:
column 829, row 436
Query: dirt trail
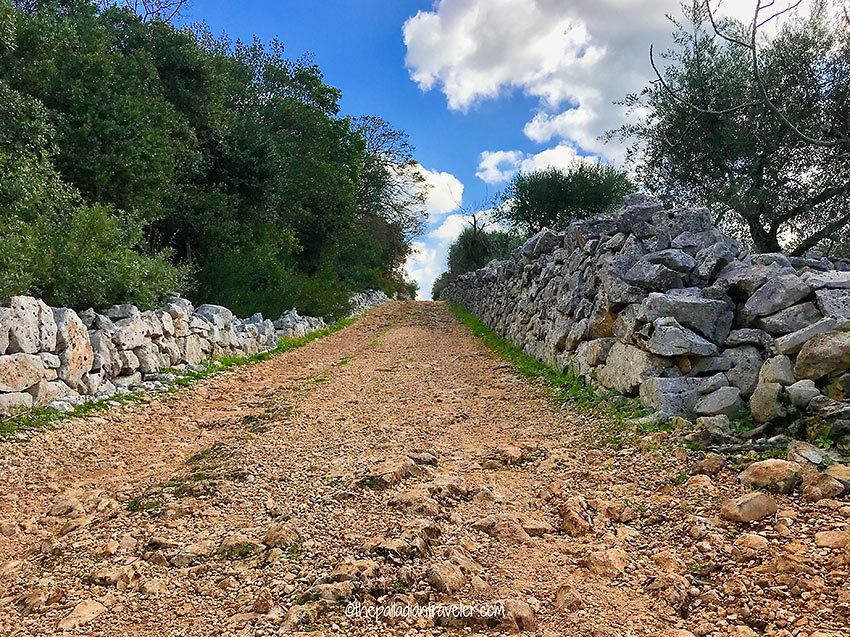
column 394, row 460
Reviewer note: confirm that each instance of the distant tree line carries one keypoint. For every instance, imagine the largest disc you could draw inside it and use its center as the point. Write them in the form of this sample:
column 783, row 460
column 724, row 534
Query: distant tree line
column 137, row 158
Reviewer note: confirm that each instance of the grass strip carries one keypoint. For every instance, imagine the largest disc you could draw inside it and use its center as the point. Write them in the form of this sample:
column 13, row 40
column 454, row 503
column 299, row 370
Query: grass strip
column 617, row 411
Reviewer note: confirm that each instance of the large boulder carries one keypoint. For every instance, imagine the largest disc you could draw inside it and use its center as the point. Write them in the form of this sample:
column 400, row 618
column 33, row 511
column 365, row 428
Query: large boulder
column 19, row 372
column 627, row 367
column 712, row 318
column 822, row 355
column 671, row 339
column 73, row 345
column 796, row 317
column 777, row 294
column 677, row 396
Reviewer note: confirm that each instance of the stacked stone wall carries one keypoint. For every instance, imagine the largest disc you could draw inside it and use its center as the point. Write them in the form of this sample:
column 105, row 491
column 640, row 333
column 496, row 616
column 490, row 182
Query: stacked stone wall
column 658, row 303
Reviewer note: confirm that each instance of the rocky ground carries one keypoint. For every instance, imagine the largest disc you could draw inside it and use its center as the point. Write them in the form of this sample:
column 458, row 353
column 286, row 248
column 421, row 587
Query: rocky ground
column 398, row 461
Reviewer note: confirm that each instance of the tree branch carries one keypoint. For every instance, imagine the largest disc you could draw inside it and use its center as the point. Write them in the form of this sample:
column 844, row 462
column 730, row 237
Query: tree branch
column 769, row 103
column 812, row 240
column 688, row 103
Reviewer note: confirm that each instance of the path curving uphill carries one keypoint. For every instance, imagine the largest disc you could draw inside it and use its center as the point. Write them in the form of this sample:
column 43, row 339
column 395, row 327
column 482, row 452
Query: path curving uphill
column 395, row 460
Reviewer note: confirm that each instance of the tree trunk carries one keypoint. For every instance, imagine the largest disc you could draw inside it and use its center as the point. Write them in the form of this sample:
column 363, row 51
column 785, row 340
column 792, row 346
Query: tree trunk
column 764, row 239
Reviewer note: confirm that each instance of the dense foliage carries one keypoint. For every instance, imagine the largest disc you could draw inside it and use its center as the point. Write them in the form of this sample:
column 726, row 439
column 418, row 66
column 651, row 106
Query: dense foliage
column 474, row 248
column 553, row 198
column 756, row 127
column 136, row 158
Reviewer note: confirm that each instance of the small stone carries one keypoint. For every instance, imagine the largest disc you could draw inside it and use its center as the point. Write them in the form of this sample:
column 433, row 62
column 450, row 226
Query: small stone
column 280, row 535
column 152, row 586
column 817, row 486
column 711, row 465
column 748, row 508
column 446, row 577
column 83, row 613
column 780, row 476
column 263, row 602
column 67, row 507
column 751, row 541
column 832, row 539
column 607, row 562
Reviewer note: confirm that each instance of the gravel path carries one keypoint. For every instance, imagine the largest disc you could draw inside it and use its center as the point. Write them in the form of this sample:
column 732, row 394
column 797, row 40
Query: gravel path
column 395, row 461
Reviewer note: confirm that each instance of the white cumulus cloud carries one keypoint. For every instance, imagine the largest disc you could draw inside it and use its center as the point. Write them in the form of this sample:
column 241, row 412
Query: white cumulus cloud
column 577, row 57
column 445, row 192
column 499, row 166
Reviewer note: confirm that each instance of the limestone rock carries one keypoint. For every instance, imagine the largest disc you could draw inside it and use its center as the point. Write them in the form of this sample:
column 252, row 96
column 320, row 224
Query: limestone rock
column 724, row 400
column 710, row 465
column 21, row 325
column 19, row 372
column 627, row 367
column 72, row 342
column 777, row 294
column 777, row 370
column 793, row 343
column 711, row 318
column 792, row 319
column 832, row 279
column 676, row 396
column 744, row 372
column 446, row 577
column 671, row 339
column 822, row 355
column 766, row 403
column 83, row 613
column 835, row 303
column 817, row 486
column 15, row 403
column 832, row 539
column 802, row 392
column 607, row 562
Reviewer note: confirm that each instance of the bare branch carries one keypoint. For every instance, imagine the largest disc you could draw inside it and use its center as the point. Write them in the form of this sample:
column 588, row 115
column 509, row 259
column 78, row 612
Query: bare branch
column 778, row 13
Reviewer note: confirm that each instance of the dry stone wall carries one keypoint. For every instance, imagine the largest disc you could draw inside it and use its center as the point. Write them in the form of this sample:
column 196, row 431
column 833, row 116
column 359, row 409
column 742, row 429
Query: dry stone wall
column 60, row 358
column 659, row 304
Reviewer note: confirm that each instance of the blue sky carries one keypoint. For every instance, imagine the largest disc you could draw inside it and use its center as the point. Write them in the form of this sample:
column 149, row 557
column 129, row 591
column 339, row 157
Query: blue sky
column 483, row 87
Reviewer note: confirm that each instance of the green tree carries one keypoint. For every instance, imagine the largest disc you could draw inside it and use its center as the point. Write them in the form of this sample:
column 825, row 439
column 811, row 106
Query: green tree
column 54, row 245
column 754, row 127
column 553, row 198
column 391, row 207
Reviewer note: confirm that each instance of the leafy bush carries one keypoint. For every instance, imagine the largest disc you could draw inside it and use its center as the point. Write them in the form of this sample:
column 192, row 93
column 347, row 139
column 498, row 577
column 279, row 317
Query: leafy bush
column 554, row 198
